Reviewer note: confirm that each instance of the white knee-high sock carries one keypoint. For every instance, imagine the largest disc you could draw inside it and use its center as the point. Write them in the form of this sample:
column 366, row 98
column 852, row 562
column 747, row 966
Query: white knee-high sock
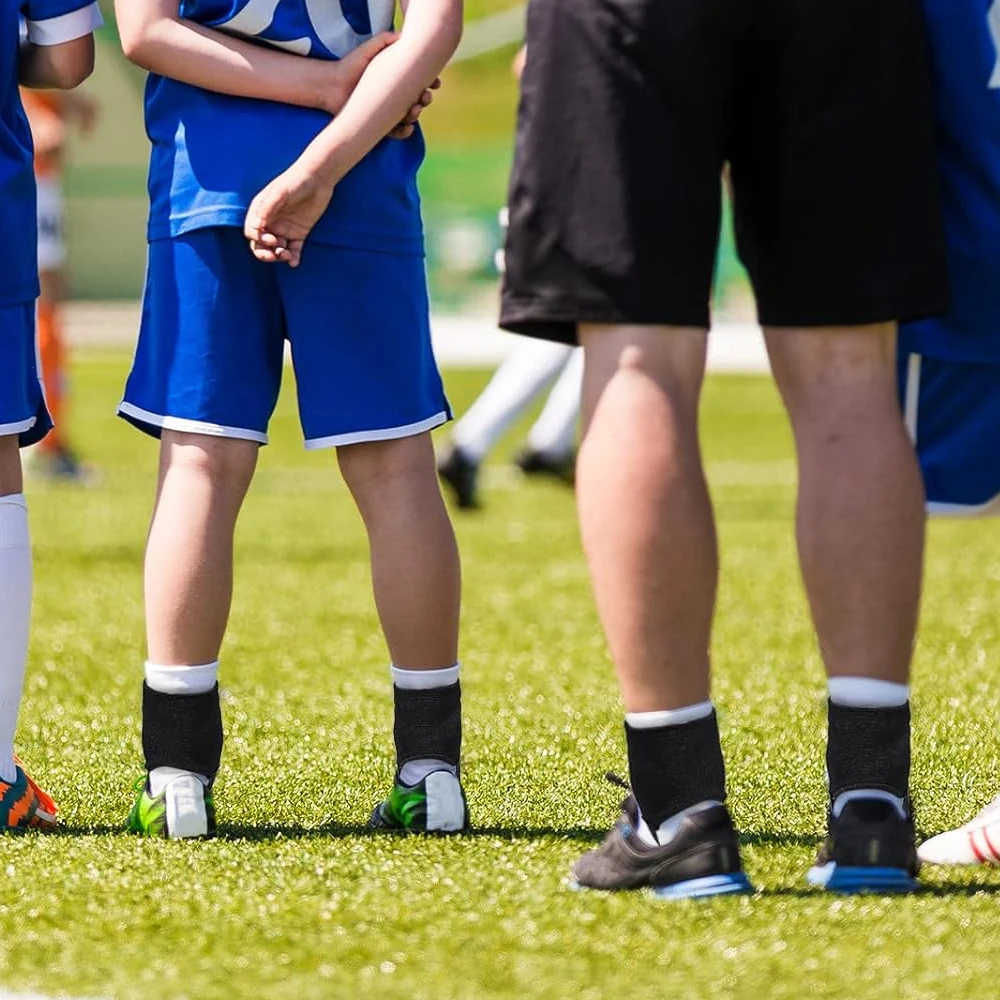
column 15, row 617
column 554, row 432
column 522, row 376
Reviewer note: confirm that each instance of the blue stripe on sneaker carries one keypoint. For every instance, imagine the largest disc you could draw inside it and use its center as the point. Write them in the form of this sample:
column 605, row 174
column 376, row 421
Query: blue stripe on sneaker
column 851, row 880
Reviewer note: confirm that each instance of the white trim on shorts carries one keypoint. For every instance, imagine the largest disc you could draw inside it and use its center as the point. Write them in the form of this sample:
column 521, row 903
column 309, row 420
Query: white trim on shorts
column 66, row 27
column 989, row 509
column 384, row 434
column 189, row 426
column 911, row 401
column 8, row 430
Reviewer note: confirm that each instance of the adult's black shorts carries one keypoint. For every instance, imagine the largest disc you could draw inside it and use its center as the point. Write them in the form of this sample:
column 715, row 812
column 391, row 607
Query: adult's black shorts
column 631, row 108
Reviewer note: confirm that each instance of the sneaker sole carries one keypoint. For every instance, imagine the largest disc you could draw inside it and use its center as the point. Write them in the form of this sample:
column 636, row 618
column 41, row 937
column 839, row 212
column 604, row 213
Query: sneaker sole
column 696, row 888
column 853, row 880
column 701, row 888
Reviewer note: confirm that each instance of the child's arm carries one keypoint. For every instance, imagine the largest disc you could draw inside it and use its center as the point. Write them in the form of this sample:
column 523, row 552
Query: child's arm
column 59, row 51
column 156, row 38
column 282, row 215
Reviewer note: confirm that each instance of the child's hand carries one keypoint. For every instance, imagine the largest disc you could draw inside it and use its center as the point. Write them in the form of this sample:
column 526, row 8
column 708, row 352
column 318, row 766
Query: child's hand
column 341, row 76
column 284, row 213
column 406, row 127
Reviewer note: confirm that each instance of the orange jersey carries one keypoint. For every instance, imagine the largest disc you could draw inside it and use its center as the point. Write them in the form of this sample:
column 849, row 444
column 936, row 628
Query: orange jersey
column 48, row 128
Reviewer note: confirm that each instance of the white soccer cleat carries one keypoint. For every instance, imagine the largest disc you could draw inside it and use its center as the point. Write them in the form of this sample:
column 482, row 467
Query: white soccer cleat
column 976, row 843
column 175, row 804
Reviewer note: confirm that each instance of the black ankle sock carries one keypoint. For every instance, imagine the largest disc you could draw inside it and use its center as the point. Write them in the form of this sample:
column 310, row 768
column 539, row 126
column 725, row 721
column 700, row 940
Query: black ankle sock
column 675, row 767
column 868, row 748
column 182, row 730
column 428, row 724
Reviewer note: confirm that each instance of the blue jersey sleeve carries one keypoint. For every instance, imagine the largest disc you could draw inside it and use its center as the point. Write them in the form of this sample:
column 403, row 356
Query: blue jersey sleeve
column 53, row 22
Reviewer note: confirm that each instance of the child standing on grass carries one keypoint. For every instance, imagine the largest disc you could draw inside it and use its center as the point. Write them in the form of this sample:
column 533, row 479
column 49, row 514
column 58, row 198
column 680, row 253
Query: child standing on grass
column 238, row 89
column 58, row 52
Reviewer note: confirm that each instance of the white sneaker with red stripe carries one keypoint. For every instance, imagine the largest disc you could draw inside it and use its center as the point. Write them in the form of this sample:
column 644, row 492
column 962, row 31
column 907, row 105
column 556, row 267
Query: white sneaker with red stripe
column 976, row 843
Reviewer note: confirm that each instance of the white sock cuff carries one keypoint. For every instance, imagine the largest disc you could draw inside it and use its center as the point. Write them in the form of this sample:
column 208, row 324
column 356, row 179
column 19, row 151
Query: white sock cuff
column 425, row 680
column 182, row 679
column 13, row 521
column 867, row 692
column 670, row 716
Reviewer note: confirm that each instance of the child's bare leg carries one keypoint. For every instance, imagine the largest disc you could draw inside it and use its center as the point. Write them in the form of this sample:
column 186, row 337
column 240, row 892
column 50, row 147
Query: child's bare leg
column 415, row 568
column 188, row 584
column 189, row 554
column 417, row 581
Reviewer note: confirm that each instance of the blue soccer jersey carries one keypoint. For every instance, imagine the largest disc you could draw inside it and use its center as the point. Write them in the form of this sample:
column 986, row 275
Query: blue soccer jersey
column 965, row 52
column 48, row 22
column 212, row 153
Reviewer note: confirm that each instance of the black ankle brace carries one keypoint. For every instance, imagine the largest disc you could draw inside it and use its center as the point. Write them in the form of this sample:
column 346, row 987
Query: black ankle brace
column 182, row 730
column 868, row 748
column 428, row 724
column 675, row 767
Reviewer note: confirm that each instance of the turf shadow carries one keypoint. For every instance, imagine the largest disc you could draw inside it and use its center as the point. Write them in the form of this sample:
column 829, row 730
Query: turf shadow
column 340, row 830
column 936, row 891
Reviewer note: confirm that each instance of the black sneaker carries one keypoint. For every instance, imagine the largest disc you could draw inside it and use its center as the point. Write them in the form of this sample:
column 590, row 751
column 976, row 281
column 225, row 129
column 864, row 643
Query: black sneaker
column 703, row 858
column 870, row 848
column 462, row 475
column 538, row 463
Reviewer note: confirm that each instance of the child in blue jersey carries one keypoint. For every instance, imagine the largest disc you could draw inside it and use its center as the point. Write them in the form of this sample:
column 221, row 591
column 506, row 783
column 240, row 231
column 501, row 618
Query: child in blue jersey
column 238, row 90
column 949, row 366
column 58, row 51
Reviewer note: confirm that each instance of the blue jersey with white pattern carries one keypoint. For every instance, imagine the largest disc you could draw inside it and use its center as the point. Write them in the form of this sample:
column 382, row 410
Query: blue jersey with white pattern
column 965, row 61
column 18, row 232
column 212, row 153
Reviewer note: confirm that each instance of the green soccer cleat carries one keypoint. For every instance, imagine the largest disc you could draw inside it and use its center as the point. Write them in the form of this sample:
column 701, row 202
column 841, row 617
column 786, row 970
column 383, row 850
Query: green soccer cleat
column 184, row 809
column 435, row 805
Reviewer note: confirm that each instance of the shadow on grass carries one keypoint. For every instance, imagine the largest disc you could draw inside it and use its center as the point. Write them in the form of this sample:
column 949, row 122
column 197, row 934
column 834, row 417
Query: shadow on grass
column 923, row 892
column 339, row 831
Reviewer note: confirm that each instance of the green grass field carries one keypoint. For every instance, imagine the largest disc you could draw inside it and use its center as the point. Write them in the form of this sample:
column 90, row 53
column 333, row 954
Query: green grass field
column 295, row 900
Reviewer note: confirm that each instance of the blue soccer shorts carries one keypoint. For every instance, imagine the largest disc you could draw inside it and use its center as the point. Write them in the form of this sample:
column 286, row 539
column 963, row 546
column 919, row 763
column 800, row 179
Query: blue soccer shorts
column 214, row 326
column 952, row 410
column 22, row 402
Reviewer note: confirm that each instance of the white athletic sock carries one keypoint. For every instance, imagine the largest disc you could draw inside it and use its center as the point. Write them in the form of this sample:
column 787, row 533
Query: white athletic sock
column 425, row 680
column 414, row 771
column 15, row 619
column 867, row 692
column 667, row 830
column 529, row 367
column 554, row 432
column 182, row 679
column 670, row 716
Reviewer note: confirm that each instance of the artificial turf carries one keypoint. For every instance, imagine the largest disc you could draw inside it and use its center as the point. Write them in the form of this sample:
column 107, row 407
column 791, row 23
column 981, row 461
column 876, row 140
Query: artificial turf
column 294, row 899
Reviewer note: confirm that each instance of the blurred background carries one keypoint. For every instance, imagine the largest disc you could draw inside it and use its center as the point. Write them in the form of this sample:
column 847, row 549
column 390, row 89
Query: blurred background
column 469, row 132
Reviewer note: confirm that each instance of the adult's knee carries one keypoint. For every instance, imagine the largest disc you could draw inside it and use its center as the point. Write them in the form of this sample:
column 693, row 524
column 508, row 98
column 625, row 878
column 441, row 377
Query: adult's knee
column 667, row 361
column 831, row 378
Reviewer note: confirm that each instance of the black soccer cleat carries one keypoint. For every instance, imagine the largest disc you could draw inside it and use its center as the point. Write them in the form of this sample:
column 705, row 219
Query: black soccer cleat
column 869, row 848
column 702, row 859
column 462, row 476
column 538, row 463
